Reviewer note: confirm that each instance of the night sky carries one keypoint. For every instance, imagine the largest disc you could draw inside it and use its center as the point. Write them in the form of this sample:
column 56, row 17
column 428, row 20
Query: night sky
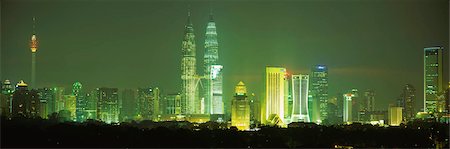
column 129, row 44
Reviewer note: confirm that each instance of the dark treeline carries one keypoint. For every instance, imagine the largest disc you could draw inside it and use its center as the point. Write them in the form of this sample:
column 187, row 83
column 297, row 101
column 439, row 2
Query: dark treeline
column 22, row 132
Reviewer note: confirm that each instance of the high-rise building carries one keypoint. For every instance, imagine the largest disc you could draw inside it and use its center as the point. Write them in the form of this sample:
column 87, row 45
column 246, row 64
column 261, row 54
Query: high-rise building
column 156, row 114
column 274, row 103
column 189, row 78
column 300, row 84
column 319, row 93
column 70, row 104
column 287, row 98
column 47, row 101
column 433, row 81
column 108, row 105
column 91, row 105
column 356, row 104
column 255, row 110
column 33, row 46
column 210, row 59
column 348, row 107
column 369, row 96
column 59, row 98
column 172, row 104
column 7, row 90
column 406, row 101
column 25, row 102
column 148, row 105
column 217, row 105
column 395, row 115
column 77, row 91
column 240, row 108
column 129, row 109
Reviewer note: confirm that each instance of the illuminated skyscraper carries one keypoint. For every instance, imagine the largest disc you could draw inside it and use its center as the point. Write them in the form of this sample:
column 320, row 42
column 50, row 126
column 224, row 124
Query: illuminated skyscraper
column 91, row 105
column 70, row 104
column 240, row 108
column 47, row 101
column 59, row 98
column 433, row 81
column 190, row 105
column 395, row 115
column 148, row 105
column 319, row 93
column 300, row 84
column 406, row 101
column 274, row 103
column 211, row 58
column 25, row 102
column 369, row 96
column 348, row 105
column 33, row 46
column 77, row 91
column 108, row 105
column 7, row 90
column 172, row 104
column 217, row 106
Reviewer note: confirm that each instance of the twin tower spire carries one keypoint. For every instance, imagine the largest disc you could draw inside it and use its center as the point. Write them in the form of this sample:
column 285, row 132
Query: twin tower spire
column 201, row 94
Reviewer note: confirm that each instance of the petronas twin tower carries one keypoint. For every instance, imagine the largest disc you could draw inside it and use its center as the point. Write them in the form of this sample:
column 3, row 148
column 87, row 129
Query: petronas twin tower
column 201, row 94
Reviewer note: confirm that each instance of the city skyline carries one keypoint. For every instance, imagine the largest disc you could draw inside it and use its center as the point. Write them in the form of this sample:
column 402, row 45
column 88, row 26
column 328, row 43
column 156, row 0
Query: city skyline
column 64, row 58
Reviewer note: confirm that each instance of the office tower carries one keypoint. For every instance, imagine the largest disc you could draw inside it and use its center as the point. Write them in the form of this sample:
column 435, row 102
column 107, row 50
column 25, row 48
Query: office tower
column 190, row 105
column 91, row 105
column 217, row 106
column 70, row 104
column 433, row 81
column 333, row 114
column 240, row 108
column 356, row 104
column 369, row 96
column 287, row 98
column 211, row 58
column 25, row 102
column 406, row 101
column 156, row 114
column 47, row 101
column 7, row 91
column 108, row 105
column 395, row 115
column 274, row 103
column 33, row 46
column 59, row 98
column 319, row 93
column 148, row 105
column 339, row 108
column 348, row 107
column 77, row 91
column 255, row 110
column 129, row 109
column 300, row 84
column 172, row 104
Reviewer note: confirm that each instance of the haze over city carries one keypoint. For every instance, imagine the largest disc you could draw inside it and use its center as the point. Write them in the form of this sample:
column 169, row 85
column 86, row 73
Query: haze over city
column 127, row 44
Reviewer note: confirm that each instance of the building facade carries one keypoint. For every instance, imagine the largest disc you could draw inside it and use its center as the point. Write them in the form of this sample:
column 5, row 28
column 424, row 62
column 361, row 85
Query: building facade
column 25, row 102
column 300, row 84
column 274, row 103
column 433, row 81
column 210, row 60
column 319, row 93
column 240, row 108
column 108, row 105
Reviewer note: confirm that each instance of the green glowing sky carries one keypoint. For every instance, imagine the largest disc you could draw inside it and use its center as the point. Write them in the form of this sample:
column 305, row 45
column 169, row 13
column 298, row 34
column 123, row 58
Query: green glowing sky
column 128, row 44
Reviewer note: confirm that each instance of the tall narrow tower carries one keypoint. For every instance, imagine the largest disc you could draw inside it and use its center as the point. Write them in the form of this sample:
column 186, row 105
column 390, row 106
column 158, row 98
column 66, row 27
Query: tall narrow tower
column 188, row 71
column 212, row 90
column 33, row 47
